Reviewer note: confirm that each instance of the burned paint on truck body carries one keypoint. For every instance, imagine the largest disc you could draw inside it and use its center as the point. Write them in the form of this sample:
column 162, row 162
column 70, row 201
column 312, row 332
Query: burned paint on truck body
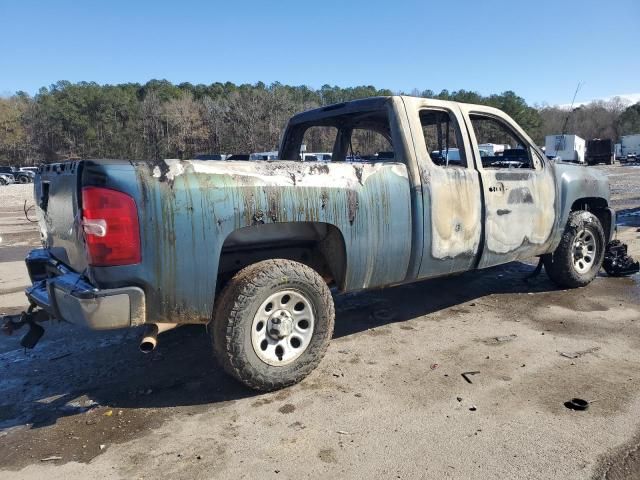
column 388, row 222
column 187, row 221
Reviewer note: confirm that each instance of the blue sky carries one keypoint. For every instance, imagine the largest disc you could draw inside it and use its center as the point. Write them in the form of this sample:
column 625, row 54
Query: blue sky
column 540, row 49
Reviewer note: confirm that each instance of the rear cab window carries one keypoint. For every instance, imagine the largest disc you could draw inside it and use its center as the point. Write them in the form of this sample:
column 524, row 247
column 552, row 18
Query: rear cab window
column 443, row 138
column 361, row 136
column 369, row 146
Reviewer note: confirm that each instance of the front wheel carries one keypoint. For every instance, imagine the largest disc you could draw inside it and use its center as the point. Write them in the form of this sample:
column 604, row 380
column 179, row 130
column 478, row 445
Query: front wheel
column 578, row 258
column 272, row 324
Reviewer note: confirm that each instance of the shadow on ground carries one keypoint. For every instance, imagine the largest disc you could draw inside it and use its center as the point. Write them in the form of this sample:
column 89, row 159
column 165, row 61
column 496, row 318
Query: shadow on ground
column 74, row 370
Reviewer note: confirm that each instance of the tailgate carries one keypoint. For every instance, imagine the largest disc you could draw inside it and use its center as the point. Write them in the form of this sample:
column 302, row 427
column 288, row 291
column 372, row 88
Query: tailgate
column 57, row 190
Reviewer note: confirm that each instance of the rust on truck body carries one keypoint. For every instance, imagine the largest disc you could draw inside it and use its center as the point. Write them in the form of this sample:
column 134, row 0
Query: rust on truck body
column 187, row 220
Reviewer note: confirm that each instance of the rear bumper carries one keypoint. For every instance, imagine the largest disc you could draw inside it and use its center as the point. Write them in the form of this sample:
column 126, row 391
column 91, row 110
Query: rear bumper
column 68, row 296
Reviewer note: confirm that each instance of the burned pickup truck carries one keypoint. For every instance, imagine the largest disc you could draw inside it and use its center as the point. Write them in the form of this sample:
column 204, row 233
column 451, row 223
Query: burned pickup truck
column 253, row 249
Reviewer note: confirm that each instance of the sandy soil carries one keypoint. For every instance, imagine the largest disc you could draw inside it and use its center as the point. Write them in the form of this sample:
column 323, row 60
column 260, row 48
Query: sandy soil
column 388, row 401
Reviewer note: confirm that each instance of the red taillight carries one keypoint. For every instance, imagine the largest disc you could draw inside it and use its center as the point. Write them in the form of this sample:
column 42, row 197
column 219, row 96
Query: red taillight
column 110, row 224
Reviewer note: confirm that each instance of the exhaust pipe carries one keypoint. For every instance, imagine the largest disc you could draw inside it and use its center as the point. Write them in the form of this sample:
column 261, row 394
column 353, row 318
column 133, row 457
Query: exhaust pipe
column 150, row 338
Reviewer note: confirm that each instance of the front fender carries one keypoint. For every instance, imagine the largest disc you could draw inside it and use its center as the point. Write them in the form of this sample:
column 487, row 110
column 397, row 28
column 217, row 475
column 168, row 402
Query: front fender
column 578, row 183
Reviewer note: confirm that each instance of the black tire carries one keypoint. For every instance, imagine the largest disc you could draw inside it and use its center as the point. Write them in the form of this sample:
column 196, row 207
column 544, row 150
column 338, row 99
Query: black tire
column 560, row 265
column 3, row 181
column 234, row 315
column 23, row 179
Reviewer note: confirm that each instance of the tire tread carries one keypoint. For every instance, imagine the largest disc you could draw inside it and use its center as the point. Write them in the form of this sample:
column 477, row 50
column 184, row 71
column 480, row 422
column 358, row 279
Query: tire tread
column 230, row 311
column 559, row 264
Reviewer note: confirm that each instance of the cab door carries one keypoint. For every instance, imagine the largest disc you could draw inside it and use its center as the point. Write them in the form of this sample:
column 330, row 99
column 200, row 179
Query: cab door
column 452, row 204
column 518, row 187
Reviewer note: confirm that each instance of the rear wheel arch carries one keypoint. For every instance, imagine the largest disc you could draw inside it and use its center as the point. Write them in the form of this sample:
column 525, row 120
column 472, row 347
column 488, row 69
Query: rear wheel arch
column 319, row 245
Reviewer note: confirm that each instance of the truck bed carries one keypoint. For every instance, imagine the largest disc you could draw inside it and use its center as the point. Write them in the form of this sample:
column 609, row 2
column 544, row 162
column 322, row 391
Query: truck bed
column 188, row 210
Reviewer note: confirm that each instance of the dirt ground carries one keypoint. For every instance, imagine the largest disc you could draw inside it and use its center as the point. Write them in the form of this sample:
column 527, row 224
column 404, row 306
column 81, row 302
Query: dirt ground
column 388, row 401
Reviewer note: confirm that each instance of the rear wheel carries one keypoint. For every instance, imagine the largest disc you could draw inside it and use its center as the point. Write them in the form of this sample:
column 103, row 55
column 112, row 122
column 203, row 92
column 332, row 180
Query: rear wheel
column 23, row 179
column 578, row 258
column 272, row 324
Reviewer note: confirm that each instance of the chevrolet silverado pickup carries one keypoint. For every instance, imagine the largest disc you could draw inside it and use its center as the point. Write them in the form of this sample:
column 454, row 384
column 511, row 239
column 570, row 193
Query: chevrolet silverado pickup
column 257, row 249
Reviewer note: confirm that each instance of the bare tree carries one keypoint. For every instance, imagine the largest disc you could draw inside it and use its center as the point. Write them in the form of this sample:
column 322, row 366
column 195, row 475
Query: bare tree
column 153, row 130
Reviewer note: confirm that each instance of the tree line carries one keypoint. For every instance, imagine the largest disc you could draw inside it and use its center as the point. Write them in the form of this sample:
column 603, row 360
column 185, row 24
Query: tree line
column 161, row 120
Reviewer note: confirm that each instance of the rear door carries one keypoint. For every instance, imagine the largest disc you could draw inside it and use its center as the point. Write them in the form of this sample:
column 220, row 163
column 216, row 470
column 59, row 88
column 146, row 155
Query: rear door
column 518, row 187
column 452, row 203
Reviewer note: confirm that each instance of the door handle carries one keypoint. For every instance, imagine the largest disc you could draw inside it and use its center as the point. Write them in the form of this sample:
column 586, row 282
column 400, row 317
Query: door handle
column 498, row 187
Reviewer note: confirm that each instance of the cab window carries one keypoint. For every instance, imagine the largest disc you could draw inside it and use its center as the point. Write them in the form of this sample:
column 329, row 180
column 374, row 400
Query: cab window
column 499, row 146
column 318, row 139
column 443, row 139
column 363, row 136
column 368, row 145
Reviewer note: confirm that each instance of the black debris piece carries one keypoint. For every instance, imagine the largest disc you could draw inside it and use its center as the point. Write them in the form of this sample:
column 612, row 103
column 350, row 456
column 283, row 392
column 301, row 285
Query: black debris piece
column 577, row 404
column 617, row 263
column 466, row 376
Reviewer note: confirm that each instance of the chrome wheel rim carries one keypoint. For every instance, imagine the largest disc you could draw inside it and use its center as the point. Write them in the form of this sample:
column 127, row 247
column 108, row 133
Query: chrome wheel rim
column 282, row 327
column 584, row 251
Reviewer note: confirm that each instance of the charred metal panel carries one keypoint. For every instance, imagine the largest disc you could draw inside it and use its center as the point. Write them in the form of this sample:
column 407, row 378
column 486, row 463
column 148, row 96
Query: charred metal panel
column 520, row 205
column 188, row 209
column 451, row 201
column 520, row 209
column 456, row 218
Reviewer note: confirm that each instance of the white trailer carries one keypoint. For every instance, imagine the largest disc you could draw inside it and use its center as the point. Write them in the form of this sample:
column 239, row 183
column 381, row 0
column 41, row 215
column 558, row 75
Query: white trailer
column 568, row 148
column 494, row 149
column 630, row 147
column 618, row 150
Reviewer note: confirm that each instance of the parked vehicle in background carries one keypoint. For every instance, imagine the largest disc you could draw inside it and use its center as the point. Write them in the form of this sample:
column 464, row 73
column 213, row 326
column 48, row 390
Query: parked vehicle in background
column 24, row 176
column 264, row 156
column 568, row 148
column 6, row 179
column 253, row 249
column 29, row 169
column 239, row 156
column 447, row 157
column 600, row 150
column 618, row 150
column 511, row 158
column 210, row 156
column 19, row 176
column 629, row 147
column 316, row 157
column 493, row 149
